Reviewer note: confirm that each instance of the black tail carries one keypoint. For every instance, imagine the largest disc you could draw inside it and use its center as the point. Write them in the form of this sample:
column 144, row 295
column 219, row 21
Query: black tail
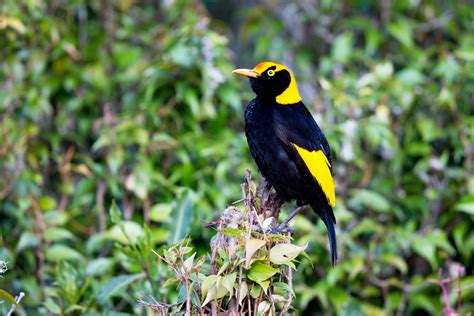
column 328, row 218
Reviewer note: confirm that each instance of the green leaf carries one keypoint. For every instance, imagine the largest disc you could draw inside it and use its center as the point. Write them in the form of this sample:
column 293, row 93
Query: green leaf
column 366, row 199
column 126, row 232
column 342, row 47
column 410, row 77
column 27, row 240
column 62, row 252
column 161, row 212
column 372, row 310
column 100, row 266
column 216, row 291
column 396, row 261
column 426, row 248
column 189, row 263
column 261, row 272
column 52, row 306
column 47, row 203
column 466, row 205
column 208, row 282
column 466, row 54
column 55, row 218
column 427, row 245
column 4, row 295
column 282, row 288
column 182, row 216
column 75, row 307
column 228, row 282
column 251, row 247
column 351, row 308
column 402, row 31
column 263, row 307
column 54, row 234
column 115, row 213
column 366, row 226
column 170, row 282
column 255, row 291
column 117, row 284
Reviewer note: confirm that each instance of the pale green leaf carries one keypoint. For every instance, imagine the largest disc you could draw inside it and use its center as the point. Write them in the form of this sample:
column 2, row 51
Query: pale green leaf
column 182, row 215
column 188, row 263
column 396, row 261
column 263, row 307
column 252, row 246
column 52, row 306
column 61, row 253
column 127, row 232
column 54, row 234
column 117, row 284
column 228, row 282
column 243, row 291
column 285, row 253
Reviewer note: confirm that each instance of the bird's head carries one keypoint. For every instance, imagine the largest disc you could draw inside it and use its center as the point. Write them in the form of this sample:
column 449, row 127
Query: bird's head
column 272, row 80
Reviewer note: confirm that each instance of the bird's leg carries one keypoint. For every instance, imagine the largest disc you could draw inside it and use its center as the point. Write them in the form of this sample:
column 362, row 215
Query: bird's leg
column 283, row 227
column 274, row 204
column 264, row 192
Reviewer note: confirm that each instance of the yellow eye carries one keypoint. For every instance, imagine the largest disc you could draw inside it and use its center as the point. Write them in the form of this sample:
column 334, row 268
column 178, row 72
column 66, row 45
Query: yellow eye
column 270, row 72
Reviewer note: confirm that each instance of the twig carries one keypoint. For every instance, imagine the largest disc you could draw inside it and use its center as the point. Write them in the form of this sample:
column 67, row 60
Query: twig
column 289, row 279
column 403, row 301
column 448, row 311
column 39, row 232
column 146, row 210
column 17, row 300
column 185, row 276
column 100, row 193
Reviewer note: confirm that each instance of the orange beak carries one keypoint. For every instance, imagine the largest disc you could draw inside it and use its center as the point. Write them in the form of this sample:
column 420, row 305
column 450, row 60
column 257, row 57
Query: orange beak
column 246, row 72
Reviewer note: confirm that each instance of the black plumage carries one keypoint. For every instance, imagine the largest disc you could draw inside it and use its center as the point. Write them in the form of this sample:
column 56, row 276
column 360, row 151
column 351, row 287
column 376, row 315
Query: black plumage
column 273, row 129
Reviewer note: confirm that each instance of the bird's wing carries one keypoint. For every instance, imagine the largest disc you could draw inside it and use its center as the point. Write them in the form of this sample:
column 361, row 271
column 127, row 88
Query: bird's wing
column 318, row 165
column 307, row 145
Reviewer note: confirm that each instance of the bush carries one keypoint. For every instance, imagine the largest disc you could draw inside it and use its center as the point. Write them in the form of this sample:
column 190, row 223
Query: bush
column 133, row 102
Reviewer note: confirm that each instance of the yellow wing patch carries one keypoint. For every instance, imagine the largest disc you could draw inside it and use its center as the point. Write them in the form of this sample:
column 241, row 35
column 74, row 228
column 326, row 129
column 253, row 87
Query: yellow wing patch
column 319, row 166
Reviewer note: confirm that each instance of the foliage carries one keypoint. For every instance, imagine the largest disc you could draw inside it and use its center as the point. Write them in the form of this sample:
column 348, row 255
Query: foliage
column 133, row 102
column 248, row 271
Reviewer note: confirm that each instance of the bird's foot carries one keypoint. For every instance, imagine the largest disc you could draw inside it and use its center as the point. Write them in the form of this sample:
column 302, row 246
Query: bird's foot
column 282, row 228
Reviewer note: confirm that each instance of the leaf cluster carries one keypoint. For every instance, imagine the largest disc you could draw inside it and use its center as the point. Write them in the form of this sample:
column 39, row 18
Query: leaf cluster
column 248, row 271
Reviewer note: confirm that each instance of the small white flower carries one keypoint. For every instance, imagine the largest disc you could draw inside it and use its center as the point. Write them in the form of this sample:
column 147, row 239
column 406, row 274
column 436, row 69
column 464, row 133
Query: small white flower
column 3, row 267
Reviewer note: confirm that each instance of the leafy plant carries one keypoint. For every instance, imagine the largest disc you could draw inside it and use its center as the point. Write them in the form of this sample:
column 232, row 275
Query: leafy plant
column 134, row 102
column 248, row 270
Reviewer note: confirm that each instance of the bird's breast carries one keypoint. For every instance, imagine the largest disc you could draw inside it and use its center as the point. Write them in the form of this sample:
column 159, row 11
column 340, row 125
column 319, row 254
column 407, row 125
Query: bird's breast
column 268, row 152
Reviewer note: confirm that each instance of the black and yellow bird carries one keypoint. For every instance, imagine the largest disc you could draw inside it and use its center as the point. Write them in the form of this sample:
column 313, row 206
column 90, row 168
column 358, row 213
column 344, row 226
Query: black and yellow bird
column 288, row 146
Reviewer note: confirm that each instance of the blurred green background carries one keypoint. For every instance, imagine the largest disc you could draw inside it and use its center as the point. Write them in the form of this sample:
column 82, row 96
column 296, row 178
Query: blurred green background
column 134, row 102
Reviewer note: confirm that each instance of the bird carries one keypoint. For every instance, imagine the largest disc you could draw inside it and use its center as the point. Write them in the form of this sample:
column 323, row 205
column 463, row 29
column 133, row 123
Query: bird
column 287, row 145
